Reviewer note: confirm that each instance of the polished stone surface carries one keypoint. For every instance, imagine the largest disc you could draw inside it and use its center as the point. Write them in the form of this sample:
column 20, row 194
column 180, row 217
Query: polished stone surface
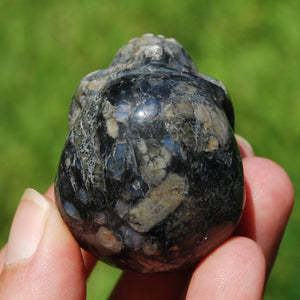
column 150, row 177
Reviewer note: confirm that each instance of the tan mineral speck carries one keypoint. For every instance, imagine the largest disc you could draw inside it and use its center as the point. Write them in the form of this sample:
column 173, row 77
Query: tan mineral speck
column 142, row 146
column 214, row 122
column 68, row 162
column 95, row 85
column 162, row 201
column 112, row 127
column 107, row 110
column 100, row 218
column 155, row 162
column 150, row 249
column 154, row 52
column 184, row 109
column 212, row 144
column 105, row 239
column 168, row 112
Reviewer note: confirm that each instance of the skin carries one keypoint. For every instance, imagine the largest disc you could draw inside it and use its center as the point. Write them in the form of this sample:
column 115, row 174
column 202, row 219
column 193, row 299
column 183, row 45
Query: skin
column 58, row 268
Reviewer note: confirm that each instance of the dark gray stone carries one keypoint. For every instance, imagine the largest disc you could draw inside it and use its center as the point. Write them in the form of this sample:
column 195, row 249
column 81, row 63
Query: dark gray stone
column 150, row 177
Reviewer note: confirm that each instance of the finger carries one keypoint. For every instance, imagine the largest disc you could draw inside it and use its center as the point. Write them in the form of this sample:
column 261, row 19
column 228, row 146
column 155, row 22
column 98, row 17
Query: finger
column 269, row 201
column 161, row 286
column 236, row 270
column 2, row 257
column 88, row 260
column 245, row 148
column 43, row 261
column 50, row 192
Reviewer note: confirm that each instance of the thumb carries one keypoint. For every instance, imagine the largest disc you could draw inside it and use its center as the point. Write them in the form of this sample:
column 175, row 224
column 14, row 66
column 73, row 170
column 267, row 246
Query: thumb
column 43, row 261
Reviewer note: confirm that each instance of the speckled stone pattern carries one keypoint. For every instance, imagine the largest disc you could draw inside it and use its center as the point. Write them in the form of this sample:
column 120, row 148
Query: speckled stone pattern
column 150, row 178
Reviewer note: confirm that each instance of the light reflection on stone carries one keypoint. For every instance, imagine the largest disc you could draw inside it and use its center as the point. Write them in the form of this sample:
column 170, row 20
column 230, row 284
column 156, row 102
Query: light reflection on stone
column 147, row 111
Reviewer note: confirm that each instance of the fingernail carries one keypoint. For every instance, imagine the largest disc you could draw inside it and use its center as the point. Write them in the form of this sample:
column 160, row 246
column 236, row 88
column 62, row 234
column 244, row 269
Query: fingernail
column 27, row 227
column 248, row 150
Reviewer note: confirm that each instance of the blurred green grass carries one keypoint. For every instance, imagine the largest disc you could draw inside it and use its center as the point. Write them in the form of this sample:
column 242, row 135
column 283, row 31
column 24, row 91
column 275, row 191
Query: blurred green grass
column 46, row 47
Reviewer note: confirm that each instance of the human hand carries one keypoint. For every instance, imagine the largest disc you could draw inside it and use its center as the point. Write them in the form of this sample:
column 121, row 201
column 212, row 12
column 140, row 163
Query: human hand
column 43, row 261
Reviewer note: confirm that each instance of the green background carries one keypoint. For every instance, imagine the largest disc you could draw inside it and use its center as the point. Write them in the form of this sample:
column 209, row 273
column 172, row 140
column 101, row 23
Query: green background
column 46, row 47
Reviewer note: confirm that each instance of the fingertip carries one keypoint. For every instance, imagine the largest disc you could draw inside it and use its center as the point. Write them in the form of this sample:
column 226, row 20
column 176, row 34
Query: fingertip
column 230, row 272
column 50, row 193
column 269, row 202
column 27, row 227
column 89, row 262
column 246, row 149
column 264, row 175
column 2, row 257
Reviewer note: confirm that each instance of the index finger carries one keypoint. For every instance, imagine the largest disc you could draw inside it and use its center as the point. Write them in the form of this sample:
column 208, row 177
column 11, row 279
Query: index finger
column 269, row 201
